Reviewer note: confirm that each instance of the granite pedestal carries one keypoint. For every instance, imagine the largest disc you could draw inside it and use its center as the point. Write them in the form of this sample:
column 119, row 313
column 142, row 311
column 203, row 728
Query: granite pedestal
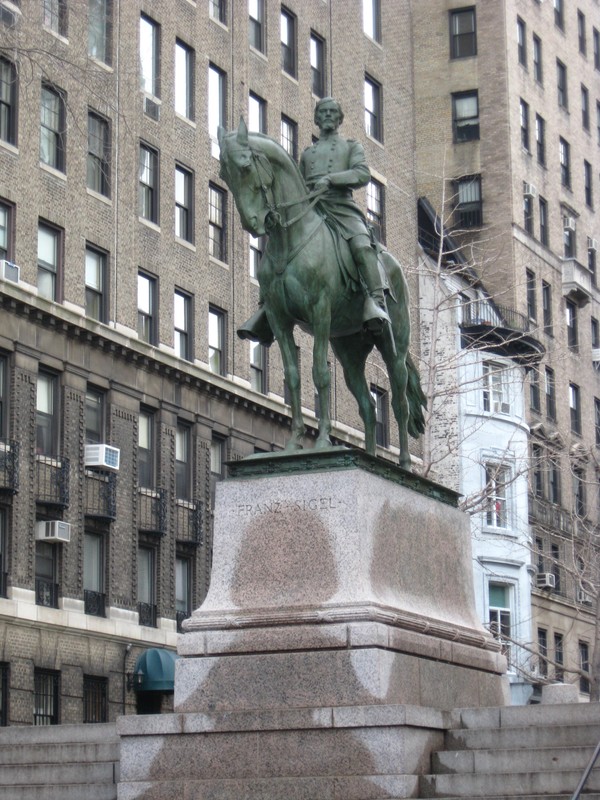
column 338, row 629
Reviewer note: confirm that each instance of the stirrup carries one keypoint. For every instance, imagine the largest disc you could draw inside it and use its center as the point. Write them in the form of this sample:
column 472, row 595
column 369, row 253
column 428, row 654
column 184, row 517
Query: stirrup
column 257, row 329
column 374, row 316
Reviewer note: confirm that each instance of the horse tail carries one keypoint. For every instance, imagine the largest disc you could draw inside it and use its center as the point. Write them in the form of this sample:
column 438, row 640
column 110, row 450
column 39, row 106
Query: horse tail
column 416, row 400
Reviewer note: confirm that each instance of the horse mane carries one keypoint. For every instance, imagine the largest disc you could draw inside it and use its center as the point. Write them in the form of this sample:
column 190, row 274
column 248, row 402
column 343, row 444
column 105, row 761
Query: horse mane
column 264, row 145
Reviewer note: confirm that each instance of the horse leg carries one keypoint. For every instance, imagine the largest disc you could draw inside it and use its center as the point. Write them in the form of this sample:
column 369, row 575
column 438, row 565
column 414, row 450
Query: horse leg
column 394, row 355
column 352, row 352
column 321, row 376
column 289, row 355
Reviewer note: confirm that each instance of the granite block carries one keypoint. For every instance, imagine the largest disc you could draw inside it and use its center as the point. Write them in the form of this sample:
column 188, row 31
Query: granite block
column 279, row 719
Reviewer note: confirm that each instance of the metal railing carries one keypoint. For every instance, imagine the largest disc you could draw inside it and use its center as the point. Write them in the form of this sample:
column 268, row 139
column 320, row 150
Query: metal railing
column 46, row 593
column 152, row 510
column 94, row 603
column 482, row 312
column 9, row 465
column 147, row 614
column 586, row 773
column 101, row 495
column 53, row 481
column 188, row 522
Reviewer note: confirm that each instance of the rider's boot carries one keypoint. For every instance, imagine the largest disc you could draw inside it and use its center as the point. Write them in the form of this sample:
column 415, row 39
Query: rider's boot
column 375, row 313
column 257, row 328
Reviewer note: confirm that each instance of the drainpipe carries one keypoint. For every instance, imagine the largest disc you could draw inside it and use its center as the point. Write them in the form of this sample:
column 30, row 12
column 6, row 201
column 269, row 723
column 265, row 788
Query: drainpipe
column 125, row 654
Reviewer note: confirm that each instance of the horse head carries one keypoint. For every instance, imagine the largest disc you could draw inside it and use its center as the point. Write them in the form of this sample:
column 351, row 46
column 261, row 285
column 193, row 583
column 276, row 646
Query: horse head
column 249, row 175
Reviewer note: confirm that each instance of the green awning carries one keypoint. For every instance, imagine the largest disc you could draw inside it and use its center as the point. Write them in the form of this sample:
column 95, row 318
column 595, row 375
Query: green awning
column 158, row 668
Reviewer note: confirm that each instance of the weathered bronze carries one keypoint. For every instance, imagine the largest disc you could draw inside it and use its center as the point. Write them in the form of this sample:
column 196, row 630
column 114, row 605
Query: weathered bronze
column 321, row 270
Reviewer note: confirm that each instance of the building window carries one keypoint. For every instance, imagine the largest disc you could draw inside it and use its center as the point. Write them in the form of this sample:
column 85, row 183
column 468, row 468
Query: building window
column 148, row 184
column 592, row 265
column 537, row 470
column 289, row 136
column 8, row 102
column 559, row 657
column 217, row 84
column 184, row 204
column 183, row 328
column 150, row 56
column 575, row 408
column 495, row 388
column 4, row 394
column 569, row 241
column 372, row 19
column 598, row 120
column 550, row 387
column 98, row 157
column 585, row 107
column 217, row 223
column 547, row 307
column 465, row 116
column 528, row 213
column 183, row 589
column 49, row 261
column 46, row 694
column 100, row 30
column 317, row 64
column 578, row 491
column 257, row 113
column 94, row 417
column 183, row 462
column 581, row 34
column 93, row 574
column 376, row 208
column 52, row 128
column 565, row 162
column 4, row 683
column 524, row 117
column 500, row 616
column 147, row 305
column 535, row 402
column 596, row 39
column 554, row 484
column 46, row 587
column 463, row 33
column 595, row 332
column 55, row 16
column 572, row 333
column 218, row 10
column 184, row 79
column 288, row 42
column 559, row 14
column 216, row 341
column 373, row 109
column 146, row 585
column 555, row 566
column 256, row 249
column 258, row 367
column 217, row 465
column 531, row 295
column 561, row 84
column 146, row 450
column 584, row 666
column 540, row 139
column 256, row 24
column 538, row 70
column 588, row 184
column 382, row 423
column 95, row 699
column 542, row 637
column 5, row 231
column 544, row 231
column 469, row 206
column 95, row 284
column 522, row 41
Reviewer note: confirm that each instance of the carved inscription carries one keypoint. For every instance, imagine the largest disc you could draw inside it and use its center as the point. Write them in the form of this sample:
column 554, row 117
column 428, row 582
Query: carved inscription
column 282, row 506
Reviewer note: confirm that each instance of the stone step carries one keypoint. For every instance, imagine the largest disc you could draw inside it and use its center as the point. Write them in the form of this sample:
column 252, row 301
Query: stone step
column 42, row 734
column 526, row 716
column 506, row 784
column 54, row 774
column 567, row 796
column 73, row 752
column 525, row 759
column 508, row 738
column 74, row 791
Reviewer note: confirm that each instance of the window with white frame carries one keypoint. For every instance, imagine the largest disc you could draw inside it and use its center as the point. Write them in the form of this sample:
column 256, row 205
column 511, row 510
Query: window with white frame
column 149, row 55
column 495, row 388
column 100, row 30
column 500, row 615
column 217, row 83
column 184, row 79
column 496, row 487
column 184, row 199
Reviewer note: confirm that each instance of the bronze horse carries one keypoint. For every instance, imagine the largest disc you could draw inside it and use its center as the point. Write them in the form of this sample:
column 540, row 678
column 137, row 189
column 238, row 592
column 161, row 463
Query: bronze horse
column 302, row 284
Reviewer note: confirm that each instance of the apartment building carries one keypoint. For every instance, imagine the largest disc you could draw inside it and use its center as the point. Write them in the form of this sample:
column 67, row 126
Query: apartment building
column 507, row 99
column 125, row 272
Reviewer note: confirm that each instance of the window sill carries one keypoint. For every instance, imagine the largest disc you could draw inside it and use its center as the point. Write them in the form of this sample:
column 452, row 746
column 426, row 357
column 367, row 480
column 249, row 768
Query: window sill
column 219, row 263
column 375, row 141
column 58, row 36
column 102, row 197
column 10, row 148
column 57, row 173
column 258, row 53
column 186, row 120
column 219, row 24
column 292, row 78
column 153, row 226
column 184, row 243
column 102, row 64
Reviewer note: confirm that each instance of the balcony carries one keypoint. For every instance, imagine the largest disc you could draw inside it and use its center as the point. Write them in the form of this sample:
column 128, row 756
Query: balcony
column 46, row 593
column 94, row 603
column 576, row 281
column 9, row 466
column 147, row 614
column 152, row 510
column 188, row 522
column 52, row 481
column 101, row 494
column 500, row 330
column 549, row 515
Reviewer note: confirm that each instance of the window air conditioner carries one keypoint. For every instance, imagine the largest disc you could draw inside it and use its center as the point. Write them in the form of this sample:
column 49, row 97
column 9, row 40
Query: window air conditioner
column 592, row 243
column 584, row 597
column 569, row 223
column 53, row 530
column 9, row 271
column 151, row 108
column 546, row 580
column 529, row 190
column 102, row 456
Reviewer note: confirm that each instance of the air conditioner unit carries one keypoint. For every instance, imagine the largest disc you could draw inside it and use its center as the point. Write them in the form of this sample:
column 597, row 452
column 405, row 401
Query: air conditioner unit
column 529, row 190
column 9, row 271
column 592, row 243
column 102, row 456
column 53, row 530
column 546, row 580
column 584, row 597
column 151, row 108
column 569, row 223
